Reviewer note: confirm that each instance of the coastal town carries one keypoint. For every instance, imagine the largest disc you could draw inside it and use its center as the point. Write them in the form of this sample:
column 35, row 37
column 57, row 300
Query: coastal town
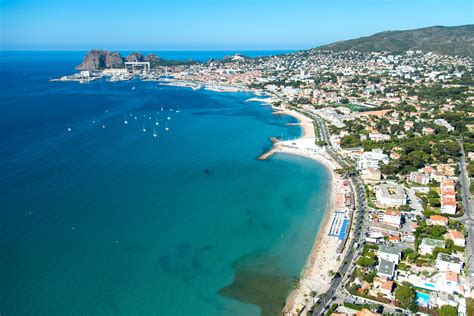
column 396, row 132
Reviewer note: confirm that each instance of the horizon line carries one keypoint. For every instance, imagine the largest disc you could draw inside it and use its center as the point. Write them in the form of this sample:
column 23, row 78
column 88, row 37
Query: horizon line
column 157, row 49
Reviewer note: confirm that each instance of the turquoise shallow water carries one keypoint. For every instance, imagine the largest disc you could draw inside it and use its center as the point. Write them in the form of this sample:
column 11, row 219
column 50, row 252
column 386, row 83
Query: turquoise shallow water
column 112, row 221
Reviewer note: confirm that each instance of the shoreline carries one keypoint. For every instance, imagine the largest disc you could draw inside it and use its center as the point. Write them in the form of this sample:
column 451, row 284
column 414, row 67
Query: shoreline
column 323, row 257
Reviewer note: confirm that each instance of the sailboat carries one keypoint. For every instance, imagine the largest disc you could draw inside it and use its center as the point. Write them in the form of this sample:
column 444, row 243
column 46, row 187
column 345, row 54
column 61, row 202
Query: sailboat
column 144, row 129
column 154, row 133
column 133, row 88
column 161, row 108
column 125, row 120
column 68, row 126
column 167, row 128
column 156, row 121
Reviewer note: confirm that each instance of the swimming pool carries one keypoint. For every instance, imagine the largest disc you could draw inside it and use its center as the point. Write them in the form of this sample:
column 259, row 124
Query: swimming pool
column 422, row 299
column 430, row 285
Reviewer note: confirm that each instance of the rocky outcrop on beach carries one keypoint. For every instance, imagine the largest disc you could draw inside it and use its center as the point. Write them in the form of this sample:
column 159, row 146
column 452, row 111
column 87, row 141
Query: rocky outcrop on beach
column 101, row 59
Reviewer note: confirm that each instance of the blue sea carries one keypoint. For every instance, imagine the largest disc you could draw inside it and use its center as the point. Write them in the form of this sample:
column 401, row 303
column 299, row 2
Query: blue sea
column 106, row 219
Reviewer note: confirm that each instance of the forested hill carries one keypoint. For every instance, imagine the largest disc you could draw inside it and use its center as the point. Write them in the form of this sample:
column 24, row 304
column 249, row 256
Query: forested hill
column 452, row 40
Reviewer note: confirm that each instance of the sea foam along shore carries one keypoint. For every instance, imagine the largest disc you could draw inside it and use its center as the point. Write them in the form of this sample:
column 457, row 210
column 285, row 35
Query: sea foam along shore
column 323, row 257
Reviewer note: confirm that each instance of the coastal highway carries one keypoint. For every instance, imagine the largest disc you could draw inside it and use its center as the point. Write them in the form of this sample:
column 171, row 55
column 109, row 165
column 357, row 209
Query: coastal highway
column 358, row 189
column 467, row 218
column 359, row 193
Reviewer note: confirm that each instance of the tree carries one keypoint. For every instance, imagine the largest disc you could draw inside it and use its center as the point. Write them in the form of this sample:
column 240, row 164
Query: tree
column 405, row 295
column 406, row 252
column 366, row 261
column 447, row 310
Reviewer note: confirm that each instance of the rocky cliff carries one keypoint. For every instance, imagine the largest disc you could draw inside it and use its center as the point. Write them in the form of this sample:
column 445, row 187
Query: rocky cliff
column 101, row 59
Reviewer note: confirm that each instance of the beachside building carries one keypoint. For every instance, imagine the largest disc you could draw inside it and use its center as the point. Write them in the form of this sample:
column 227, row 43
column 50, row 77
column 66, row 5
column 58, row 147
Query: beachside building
column 457, row 238
column 390, row 195
column 390, row 253
column 386, row 269
column 371, row 174
column 371, row 159
column 428, row 245
column 392, row 217
column 419, row 177
column 445, row 262
column 137, row 67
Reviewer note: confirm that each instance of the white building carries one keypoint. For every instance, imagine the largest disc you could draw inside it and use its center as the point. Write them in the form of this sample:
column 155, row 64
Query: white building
column 378, row 137
column 457, row 238
column 448, row 205
column 386, row 269
column 428, row 245
column 392, row 217
column 419, row 177
column 444, row 123
column 371, row 159
column 390, row 195
column 449, row 282
column 390, row 253
column 445, row 262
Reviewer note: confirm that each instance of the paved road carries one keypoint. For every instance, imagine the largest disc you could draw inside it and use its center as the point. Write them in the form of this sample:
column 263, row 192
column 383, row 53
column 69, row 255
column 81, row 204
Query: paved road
column 468, row 215
column 359, row 191
column 414, row 202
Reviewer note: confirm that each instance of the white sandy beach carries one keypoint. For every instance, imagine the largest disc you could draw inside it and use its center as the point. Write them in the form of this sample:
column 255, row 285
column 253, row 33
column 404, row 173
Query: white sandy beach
column 323, row 257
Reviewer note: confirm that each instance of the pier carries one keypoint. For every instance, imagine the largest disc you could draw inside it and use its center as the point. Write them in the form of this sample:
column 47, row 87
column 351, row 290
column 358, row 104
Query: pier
column 274, row 149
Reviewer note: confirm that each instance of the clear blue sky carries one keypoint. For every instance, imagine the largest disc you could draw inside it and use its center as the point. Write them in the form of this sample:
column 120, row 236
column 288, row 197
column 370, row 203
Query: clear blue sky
column 212, row 24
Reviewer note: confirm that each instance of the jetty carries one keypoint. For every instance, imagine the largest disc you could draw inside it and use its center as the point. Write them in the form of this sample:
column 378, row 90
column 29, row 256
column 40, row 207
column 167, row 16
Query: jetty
column 274, row 149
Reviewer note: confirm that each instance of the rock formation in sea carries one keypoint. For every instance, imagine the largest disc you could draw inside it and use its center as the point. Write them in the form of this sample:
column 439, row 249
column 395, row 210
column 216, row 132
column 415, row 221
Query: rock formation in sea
column 134, row 57
column 101, row 59
column 152, row 58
